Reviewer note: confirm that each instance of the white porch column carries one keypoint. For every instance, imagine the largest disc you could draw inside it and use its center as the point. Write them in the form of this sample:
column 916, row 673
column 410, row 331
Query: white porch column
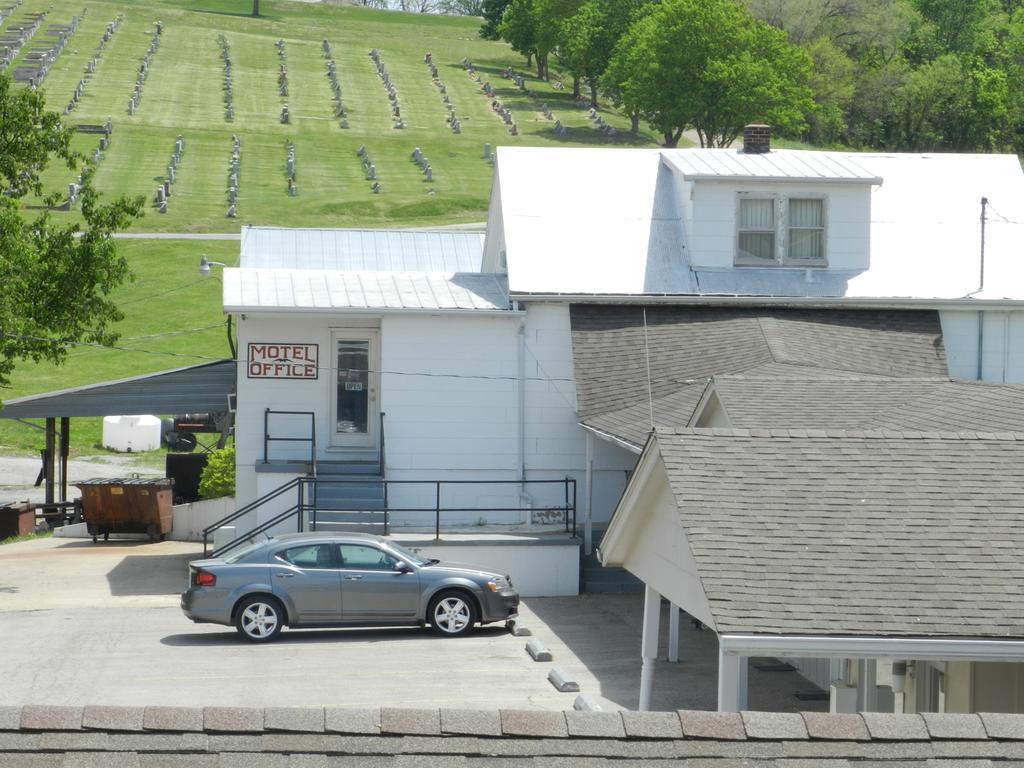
column 867, row 685
column 673, row 632
column 732, row 682
column 649, row 645
column 588, row 497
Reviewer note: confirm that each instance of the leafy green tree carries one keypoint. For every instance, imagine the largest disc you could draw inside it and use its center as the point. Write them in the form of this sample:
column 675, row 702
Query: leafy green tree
column 56, row 277
column 518, row 27
column 950, row 104
column 492, row 13
column 709, row 65
column 588, row 37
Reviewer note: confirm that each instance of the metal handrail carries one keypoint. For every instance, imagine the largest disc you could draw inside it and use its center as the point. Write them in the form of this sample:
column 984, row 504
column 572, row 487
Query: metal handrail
column 247, row 509
column 306, row 502
column 267, row 413
column 380, row 459
column 569, row 506
column 261, row 528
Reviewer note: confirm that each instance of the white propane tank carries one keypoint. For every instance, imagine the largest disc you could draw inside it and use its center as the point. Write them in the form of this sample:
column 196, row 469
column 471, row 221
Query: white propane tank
column 128, row 434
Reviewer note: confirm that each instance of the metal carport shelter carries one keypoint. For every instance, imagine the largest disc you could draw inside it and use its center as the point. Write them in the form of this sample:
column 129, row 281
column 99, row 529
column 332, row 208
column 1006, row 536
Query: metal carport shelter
column 204, row 388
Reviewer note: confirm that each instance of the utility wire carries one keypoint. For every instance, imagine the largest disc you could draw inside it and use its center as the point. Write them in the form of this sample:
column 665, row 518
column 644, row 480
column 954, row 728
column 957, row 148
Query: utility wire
column 245, row 361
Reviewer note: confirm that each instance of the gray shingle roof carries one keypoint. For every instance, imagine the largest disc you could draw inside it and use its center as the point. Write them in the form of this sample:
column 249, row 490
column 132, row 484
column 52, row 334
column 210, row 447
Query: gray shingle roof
column 875, row 403
column 611, row 351
column 528, row 738
column 854, row 533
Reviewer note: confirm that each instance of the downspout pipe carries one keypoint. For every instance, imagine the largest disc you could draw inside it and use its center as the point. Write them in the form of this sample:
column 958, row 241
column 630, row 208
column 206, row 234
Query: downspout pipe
column 525, row 500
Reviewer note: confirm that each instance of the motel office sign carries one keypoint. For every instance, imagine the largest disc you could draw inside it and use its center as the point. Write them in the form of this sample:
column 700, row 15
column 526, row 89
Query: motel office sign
column 282, row 361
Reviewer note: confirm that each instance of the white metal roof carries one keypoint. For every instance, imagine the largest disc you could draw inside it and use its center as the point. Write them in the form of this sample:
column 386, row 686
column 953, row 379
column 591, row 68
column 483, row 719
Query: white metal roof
column 607, row 221
column 736, row 165
column 253, row 290
column 589, row 221
column 380, row 250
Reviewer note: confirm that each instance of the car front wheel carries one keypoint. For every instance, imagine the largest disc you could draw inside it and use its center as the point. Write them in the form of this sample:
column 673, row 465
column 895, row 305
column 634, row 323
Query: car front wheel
column 259, row 619
column 452, row 614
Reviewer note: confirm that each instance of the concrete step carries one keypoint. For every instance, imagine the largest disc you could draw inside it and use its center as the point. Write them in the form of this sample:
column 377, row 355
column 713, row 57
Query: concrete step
column 376, row 528
column 348, row 515
column 327, row 494
column 334, row 468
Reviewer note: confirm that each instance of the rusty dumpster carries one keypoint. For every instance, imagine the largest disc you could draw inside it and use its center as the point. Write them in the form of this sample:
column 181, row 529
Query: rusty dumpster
column 136, row 505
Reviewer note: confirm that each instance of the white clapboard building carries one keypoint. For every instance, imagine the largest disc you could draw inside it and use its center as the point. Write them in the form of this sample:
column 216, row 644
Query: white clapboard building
column 500, row 386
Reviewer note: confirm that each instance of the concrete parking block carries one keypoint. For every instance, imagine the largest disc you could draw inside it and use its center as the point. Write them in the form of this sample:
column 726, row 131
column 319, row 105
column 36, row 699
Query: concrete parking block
column 340, row 720
column 537, row 650
column 173, row 719
column 471, row 722
column 562, row 681
column 113, row 718
column 43, row 718
column 309, row 719
column 233, row 719
column 527, row 722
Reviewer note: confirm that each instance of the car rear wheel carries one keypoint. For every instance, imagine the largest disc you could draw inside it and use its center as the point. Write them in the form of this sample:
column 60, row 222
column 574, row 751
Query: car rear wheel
column 452, row 614
column 259, row 619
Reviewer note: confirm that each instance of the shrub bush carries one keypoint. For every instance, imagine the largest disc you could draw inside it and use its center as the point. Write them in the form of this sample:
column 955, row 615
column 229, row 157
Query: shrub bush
column 218, row 478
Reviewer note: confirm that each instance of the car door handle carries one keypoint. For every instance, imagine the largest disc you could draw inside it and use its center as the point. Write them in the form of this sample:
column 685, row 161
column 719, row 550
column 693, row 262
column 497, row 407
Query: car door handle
column 353, row 578
column 285, row 575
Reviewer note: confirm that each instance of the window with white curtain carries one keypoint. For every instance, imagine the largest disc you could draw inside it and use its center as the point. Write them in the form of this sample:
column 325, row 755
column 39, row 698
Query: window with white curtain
column 805, row 240
column 780, row 231
column 756, row 242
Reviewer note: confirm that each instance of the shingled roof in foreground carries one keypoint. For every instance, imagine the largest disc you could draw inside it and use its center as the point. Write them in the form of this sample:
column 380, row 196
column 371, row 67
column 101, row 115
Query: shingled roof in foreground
column 821, row 532
column 138, row 737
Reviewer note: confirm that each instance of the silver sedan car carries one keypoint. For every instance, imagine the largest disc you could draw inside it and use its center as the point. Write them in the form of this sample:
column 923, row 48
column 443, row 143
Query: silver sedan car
column 332, row 580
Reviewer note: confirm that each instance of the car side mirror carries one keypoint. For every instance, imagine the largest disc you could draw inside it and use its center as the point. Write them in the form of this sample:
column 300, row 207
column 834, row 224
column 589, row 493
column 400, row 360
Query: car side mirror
column 402, row 567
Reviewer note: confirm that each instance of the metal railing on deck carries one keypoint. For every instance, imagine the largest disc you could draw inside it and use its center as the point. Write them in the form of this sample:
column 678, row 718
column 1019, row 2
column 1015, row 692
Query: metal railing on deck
column 305, row 508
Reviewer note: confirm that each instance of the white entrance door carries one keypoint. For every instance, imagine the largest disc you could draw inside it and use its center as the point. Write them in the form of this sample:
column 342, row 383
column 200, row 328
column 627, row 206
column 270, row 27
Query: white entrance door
column 355, row 408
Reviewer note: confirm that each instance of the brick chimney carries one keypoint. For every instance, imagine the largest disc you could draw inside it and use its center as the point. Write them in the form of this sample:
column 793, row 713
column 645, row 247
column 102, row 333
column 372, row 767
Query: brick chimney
column 757, row 139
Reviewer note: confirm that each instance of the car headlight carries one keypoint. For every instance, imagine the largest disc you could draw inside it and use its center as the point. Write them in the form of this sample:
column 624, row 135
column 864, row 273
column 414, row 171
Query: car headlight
column 499, row 583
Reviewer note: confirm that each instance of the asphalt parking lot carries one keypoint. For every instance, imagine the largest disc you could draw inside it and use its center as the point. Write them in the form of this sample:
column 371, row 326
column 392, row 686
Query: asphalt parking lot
column 84, row 623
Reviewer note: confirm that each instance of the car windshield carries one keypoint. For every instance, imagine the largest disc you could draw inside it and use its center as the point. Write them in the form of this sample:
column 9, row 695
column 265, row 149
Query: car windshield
column 234, row 557
column 412, row 558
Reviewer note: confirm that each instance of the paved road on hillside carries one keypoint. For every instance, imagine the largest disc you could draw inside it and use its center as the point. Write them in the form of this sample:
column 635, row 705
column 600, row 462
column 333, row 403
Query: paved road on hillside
column 478, row 226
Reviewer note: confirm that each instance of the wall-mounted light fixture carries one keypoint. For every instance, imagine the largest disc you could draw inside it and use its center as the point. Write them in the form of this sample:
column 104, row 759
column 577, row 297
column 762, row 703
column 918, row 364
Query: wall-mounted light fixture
column 205, row 264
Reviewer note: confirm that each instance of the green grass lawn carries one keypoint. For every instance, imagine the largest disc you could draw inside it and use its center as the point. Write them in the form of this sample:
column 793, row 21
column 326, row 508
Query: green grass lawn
column 183, row 93
column 173, row 318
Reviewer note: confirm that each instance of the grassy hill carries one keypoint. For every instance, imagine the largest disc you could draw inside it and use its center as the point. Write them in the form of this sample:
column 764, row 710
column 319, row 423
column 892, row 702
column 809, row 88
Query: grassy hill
column 173, row 318
column 184, row 94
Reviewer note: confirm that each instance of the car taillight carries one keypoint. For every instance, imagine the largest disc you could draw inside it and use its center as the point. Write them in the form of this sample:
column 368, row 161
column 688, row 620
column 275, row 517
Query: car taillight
column 205, row 579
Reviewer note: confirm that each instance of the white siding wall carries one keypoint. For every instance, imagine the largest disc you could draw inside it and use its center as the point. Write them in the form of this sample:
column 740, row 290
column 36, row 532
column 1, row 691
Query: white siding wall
column 711, row 224
column 1003, row 345
column 449, row 391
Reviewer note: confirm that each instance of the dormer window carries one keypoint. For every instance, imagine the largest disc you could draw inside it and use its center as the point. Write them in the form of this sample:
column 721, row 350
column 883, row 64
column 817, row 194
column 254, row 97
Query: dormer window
column 805, row 242
column 773, row 230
